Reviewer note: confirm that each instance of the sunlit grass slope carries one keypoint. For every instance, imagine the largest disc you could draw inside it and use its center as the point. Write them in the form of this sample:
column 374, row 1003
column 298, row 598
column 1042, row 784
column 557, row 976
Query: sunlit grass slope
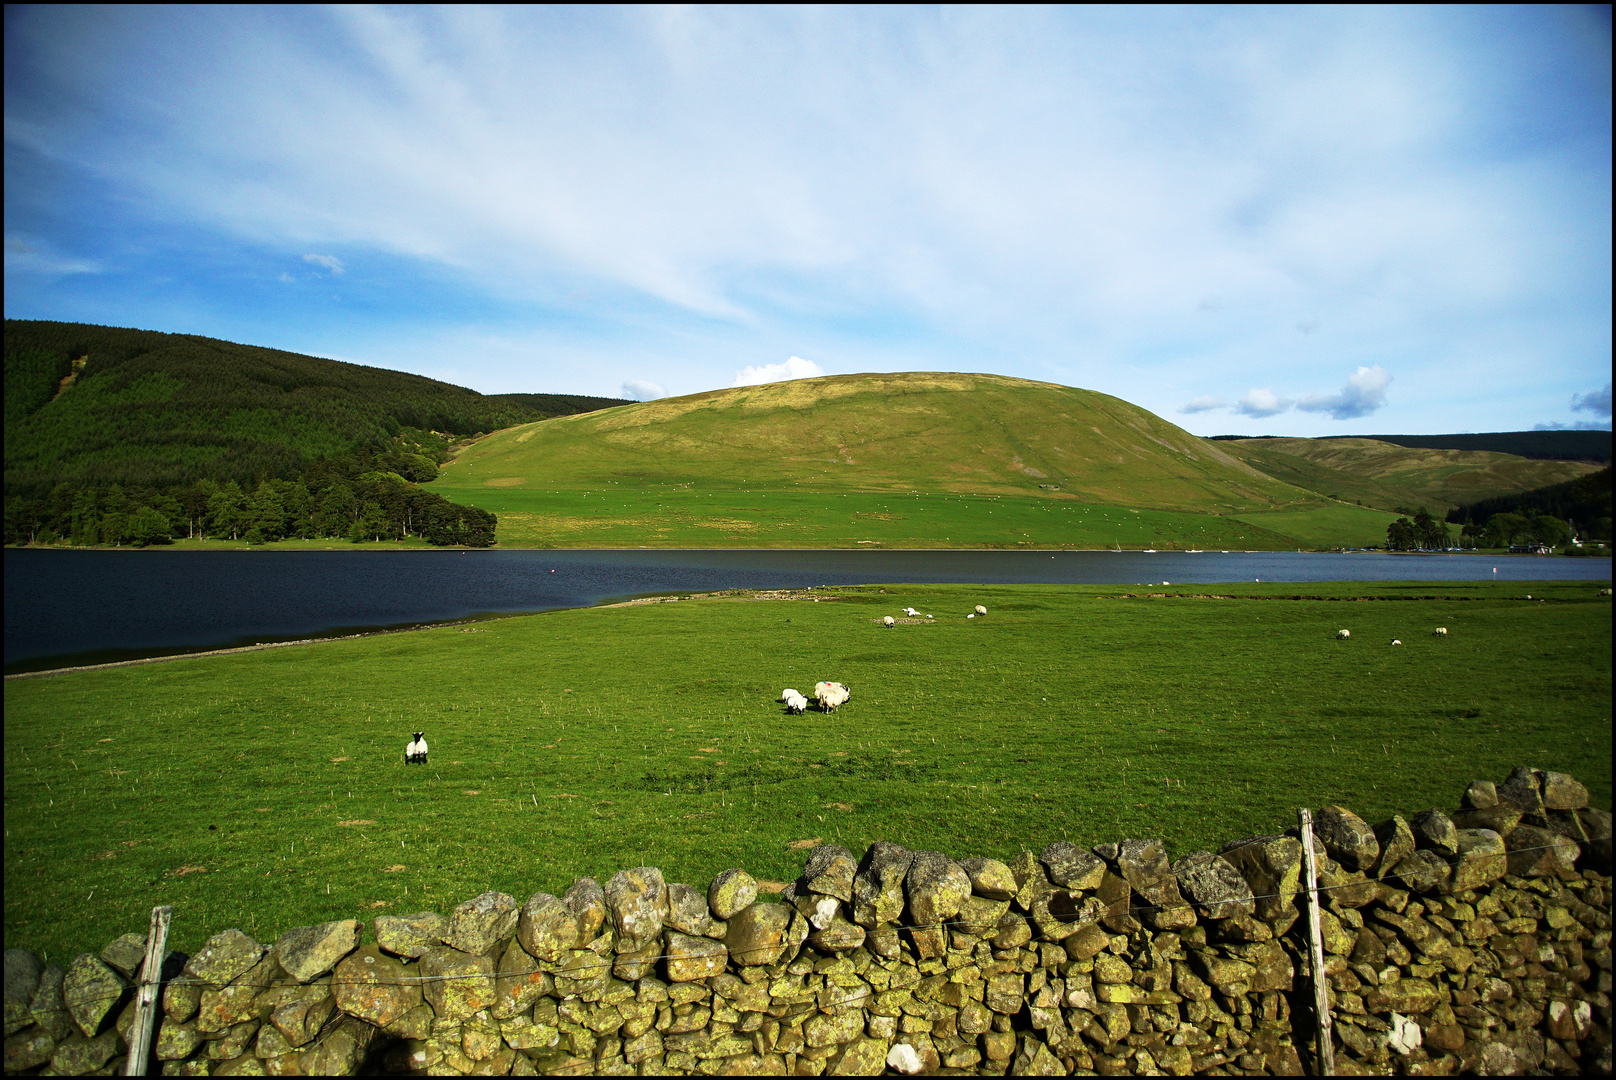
column 1384, row 475
column 266, row 790
column 624, row 515
column 977, row 434
column 909, row 460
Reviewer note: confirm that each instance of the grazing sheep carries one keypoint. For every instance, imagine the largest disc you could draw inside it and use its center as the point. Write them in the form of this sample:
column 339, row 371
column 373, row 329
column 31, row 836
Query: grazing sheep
column 831, row 695
column 788, row 693
column 796, row 704
column 911, row 612
column 415, row 752
column 889, row 621
column 972, row 615
column 1342, row 635
column 1441, row 631
column 1396, row 642
column 980, row 610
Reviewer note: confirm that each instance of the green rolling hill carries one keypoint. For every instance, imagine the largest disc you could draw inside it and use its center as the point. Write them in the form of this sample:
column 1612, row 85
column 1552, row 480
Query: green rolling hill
column 1386, row 475
column 98, row 405
column 898, row 448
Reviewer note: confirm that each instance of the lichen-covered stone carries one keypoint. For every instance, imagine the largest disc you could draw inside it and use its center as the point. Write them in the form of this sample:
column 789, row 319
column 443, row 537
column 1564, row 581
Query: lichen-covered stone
column 1522, row 788
column 78, row 1056
column 1347, row 838
column 343, row 1046
column 1213, row 885
column 829, row 871
column 1143, row 864
column 28, row 1049
column 690, row 958
column 1501, row 818
column 1480, row 795
column 990, row 878
column 125, row 954
column 838, row 935
column 731, row 891
column 878, row 884
column 935, row 888
column 687, row 910
column 302, row 1017
column 588, row 901
column 546, row 927
column 756, row 935
column 581, row 971
column 481, row 923
column 93, row 992
column 374, row 986
column 1535, row 852
column 1272, row 866
column 410, row 935
column 638, row 902
column 47, row 1007
column 1424, row 871
column 860, row 1057
column 979, row 916
column 458, row 984
column 22, row 970
column 1117, row 904
column 307, row 952
column 1396, row 844
column 1435, row 831
column 224, row 957
column 632, row 965
column 181, row 999
column 1070, row 867
column 1561, row 792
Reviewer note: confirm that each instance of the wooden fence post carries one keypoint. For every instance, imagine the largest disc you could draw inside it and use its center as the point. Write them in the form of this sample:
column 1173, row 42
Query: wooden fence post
column 1321, row 991
column 151, row 980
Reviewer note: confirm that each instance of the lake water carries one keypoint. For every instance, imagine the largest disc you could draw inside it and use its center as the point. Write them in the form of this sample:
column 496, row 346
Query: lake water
column 66, row 606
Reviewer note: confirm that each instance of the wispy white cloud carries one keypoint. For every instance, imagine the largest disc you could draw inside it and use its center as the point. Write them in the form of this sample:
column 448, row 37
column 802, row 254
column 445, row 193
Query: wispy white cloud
column 641, row 390
column 1205, row 404
column 1594, row 401
column 1262, row 402
column 331, row 263
column 1364, row 393
column 1150, row 202
column 793, row 368
column 27, row 258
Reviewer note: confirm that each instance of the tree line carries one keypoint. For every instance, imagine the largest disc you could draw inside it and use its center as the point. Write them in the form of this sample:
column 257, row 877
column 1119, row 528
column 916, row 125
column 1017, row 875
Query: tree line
column 1548, row 517
column 360, row 497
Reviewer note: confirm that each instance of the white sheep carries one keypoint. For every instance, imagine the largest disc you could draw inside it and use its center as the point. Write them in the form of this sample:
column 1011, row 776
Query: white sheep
column 796, row 704
column 415, row 752
column 1342, row 635
column 911, row 612
column 1396, row 642
column 788, row 693
column 980, row 610
column 831, row 695
column 889, row 621
column 1441, row 631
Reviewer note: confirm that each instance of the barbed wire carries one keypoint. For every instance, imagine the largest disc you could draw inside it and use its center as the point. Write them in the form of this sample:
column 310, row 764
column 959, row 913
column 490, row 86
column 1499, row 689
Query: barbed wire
column 589, row 971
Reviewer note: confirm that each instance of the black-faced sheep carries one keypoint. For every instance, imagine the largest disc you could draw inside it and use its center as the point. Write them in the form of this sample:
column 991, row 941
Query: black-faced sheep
column 415, row 752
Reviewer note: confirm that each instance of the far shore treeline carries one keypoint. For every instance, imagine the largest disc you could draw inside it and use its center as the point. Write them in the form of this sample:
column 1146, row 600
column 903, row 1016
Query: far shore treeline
column 117, row 436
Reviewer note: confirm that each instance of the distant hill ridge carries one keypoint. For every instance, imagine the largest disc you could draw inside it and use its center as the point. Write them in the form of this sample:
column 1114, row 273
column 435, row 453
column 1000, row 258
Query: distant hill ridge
column 1594, row 446
column 99, row 405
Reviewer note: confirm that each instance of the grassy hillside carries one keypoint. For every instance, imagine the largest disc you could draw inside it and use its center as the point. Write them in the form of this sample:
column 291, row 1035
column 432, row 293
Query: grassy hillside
column 1384, row 475
column 1591, row 446
column 964, row 434
column 584, row 742
column 89, row 405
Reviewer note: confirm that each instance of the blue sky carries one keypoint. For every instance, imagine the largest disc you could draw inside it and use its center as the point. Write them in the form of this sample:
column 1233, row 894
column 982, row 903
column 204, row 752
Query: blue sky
column 1299, row 221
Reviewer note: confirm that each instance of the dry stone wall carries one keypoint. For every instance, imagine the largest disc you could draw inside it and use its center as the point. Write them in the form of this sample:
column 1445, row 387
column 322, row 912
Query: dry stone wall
column 1475, row 940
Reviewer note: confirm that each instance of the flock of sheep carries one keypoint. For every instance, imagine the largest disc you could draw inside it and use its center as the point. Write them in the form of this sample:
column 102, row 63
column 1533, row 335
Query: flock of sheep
column 1342, row 635
column 828, row 695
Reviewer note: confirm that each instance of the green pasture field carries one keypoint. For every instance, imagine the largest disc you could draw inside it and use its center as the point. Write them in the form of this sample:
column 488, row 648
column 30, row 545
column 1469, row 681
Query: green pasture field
column 267, row 790
column 626, row 515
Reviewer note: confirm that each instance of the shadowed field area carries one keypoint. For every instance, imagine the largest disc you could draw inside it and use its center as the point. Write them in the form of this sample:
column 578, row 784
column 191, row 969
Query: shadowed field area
column 267, row 790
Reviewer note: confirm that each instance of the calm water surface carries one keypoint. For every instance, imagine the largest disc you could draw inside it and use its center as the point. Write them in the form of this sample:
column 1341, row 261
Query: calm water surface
column 94, row 606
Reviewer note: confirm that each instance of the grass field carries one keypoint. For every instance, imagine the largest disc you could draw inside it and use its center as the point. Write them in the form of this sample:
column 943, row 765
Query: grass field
column 266, row 790
column 628, row 515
